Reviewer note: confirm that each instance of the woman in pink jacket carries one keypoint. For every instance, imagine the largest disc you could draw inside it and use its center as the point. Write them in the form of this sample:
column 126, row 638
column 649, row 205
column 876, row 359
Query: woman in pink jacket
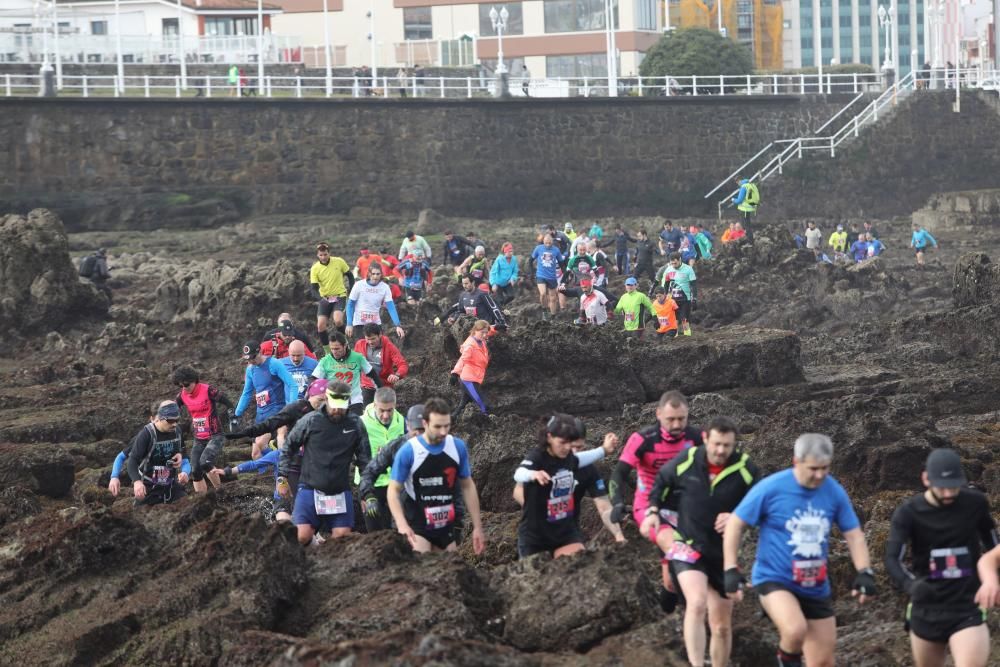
column 471, row 368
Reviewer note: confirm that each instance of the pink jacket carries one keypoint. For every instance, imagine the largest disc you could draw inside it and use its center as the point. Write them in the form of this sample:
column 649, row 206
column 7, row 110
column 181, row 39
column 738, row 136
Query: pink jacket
column 471, row 366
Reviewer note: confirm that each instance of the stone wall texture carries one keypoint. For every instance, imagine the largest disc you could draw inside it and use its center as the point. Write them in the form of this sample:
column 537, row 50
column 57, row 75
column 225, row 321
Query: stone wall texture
column 106, row 163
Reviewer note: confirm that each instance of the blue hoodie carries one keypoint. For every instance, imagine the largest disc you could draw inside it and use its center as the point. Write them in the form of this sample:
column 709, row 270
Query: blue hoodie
column 920, row 239
column 503, row 272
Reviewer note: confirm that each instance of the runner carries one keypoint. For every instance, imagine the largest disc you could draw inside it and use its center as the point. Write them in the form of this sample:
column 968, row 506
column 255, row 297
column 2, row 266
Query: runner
column 388, row 362
column 383, row 424
column 550, row 475
column 269, row 384
column 382, row 461
column 919, row 241
column 281, row 422
column 287, row 332
column 155, row 455
column 547, row 258
column 114, row 479
column 709, row 483
column 665, row 311
column 412, row 245
column 795, row 509
column 417, row 275
column 475, row 302
column 277, row 342
column 644, row 250
column 504, row 276
column 669, row 240
column 476, row 266
column 593, row 305
column 948, row 525
column 330, row 438
column 680, row 281
column 200, row 400
column 746, row 202
column 327, row 277
column 470, row 369
column 430, row 468
column 630, row 305
column 300, row 364
column 364, row 306
column 456, row 249
column 343, row 364
column 620, row 240
column 646, row 451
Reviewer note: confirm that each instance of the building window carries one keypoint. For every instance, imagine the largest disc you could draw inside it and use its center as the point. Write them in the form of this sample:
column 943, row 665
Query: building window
column 223, row 26
column 787, row 25
column 744, row 21
column 98, row 27
column 575, row 67
column 515, row 19
column 645, row 14
column 417, row 23
column 170, row 28
column 577, row 15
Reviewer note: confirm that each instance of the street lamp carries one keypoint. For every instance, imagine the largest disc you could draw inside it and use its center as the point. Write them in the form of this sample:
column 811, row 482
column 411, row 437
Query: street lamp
column 499, row 25
column 120, row 85
column 326, row 49
column 46, row 80
column 885, row 21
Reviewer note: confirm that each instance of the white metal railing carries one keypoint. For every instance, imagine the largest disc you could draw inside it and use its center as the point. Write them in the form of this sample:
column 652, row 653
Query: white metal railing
column 794, row 148
column 150, row 49
column 390, row 83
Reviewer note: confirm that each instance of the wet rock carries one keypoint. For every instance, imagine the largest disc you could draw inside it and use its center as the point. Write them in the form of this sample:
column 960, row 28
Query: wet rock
column 430, row 222
column 573, row 603
column 40, row 289
column 976, row 281
column 16, row 503
column 44, row 470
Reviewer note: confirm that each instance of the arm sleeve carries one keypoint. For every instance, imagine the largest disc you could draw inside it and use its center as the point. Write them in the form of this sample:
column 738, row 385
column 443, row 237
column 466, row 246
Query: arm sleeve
column 186, row 466
column 269, row 460
column 590, row 456
column 390, row 306
column 116, row 467
column 374, row 376
column 932, row 239
column 291, row 387
column 527, row 466
column 522, row 475
column 402, row 249
column 460, row 364
column 749, row 509
column 246, row 395
column 665, row 480
column 514, row 269
column 895, row 549
column 427, row 248
column 456, row 309
column 846, row 518
column 287, row 416
column 351, row 303
column 619, row 480
column 741, row 195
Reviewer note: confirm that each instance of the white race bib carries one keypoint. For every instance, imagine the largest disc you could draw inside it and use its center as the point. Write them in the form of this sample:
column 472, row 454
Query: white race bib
column 325, row 505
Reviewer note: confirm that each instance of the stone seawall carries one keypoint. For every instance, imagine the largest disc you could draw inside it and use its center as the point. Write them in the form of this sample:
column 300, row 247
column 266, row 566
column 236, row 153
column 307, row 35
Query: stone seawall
column 106, row 163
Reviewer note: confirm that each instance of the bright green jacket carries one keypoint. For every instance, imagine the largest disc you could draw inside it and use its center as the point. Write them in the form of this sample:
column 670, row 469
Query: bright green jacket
column 379, row 435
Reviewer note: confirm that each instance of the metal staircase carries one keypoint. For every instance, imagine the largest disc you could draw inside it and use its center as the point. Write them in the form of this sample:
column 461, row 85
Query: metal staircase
column 791, row 149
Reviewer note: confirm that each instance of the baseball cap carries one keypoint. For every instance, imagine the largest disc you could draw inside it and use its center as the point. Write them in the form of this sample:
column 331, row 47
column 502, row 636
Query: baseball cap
column 338, row 395
column 586, row 283
column 168, row 411
column 250, row 350
column 415, row 417
column 944, row 469
column 317, row 388
column 631, row 281
column 286, row 326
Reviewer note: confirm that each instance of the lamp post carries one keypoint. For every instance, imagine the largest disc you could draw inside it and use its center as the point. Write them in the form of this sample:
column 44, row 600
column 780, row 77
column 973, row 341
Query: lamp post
column 46, row 87
column 374, row 45
column 55, row 37
column 118, row 47
column 326, row 50
column 885, row 21
column 260, row 48
column 499, row 20
column 180, row 46
column 609, row 26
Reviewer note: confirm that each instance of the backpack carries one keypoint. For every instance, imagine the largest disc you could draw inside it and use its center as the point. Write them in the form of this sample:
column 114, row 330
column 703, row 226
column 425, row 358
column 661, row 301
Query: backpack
column 753, row 194
column 87, row 266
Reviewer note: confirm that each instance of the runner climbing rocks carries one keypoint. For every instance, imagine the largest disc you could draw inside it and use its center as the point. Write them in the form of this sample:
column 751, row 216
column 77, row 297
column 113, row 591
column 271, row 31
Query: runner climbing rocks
column 269, row 384
column 368, row 297
column 631, row 305
column 383, row 424
column 470, row 369
column 331, row 279
column 547, row 257
column 385, row 358
column 156, row 454
column 200, row 400
column 343, row 364
column 795, row 509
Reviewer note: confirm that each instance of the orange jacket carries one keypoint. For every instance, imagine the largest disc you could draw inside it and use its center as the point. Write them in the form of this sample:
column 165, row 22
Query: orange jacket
column 666, row 315
column 471, row 366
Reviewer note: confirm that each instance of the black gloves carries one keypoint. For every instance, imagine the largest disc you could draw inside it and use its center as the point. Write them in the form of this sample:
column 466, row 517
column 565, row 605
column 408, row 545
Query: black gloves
column 234, row 423
column 694, row 304
column 864, row 582
column 453, row 380
column 735, row 581
column 617, row 513
column 668, row 600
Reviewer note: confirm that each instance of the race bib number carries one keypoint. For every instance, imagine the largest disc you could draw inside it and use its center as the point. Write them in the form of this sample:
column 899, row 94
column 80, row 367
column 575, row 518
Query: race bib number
column 583, row 268
column 200, row 425
column 326, row 505
column 668, row 517
column 560, row 508
column 630, row 317
column 477, row 273
column 560, row 503
column 367, row 317
column 683, row 552
column 263, row 398
column 439, row 517
column 953, row 563
column 161, row 476
column 470, row 310
column 809, row 573
column 678, row 293
column 332, row 299
column 663, row 321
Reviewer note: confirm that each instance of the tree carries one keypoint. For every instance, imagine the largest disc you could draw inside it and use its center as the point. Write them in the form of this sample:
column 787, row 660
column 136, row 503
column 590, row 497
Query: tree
column 696, row 52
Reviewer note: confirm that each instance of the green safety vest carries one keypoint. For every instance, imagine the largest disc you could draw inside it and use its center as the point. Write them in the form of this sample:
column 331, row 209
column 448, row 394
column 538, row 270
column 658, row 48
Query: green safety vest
column 749, row 204
column 234, row 74
column 379, row 435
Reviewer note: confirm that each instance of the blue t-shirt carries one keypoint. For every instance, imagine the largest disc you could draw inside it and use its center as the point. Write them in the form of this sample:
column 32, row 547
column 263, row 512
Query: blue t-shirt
column 403, row 463
column 302, row 374
column 547, row 261
column 795, row 527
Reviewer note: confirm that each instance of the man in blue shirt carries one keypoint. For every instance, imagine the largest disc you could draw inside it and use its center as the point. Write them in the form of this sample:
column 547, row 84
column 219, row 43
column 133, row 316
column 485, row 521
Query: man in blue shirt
column 269, row 384
column 299, row 366
column 919, row 241
column 795, row 510
column 430, row 468
column 547, row 257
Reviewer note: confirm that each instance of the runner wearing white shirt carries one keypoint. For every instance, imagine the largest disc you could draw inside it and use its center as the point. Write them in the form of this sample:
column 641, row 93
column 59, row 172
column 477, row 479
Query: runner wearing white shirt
column 365, row 302
column 593, row 304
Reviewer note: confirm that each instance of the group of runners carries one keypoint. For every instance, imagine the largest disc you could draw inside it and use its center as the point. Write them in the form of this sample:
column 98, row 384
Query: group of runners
column 331, row 433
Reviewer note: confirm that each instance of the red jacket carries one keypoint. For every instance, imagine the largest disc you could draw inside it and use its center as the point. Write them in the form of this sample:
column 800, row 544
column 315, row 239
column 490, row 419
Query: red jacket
column 471, row 366
column 267, row 349
column 393, row 362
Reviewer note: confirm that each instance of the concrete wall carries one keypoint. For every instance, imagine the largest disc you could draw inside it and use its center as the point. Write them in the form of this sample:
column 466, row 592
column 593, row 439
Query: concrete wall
column 119, row 163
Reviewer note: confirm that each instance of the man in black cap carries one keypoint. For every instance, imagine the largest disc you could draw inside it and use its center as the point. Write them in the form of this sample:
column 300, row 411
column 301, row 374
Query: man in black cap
column 947, row 528
column 286, row 332
column 155, row 457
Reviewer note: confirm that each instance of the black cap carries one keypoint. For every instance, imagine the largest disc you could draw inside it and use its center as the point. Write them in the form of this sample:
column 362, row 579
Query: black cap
column 415, row 417
column 250, row 350
column 944, row 469
column 286, row 326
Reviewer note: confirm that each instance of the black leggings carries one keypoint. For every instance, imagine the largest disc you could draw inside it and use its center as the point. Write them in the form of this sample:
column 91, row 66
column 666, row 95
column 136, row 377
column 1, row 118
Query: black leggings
column 471, row 392
column 203, row 456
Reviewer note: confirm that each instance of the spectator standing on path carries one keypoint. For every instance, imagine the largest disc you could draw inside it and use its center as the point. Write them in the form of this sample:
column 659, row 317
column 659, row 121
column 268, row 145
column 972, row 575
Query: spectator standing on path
column 401, row 80
column 525, row 80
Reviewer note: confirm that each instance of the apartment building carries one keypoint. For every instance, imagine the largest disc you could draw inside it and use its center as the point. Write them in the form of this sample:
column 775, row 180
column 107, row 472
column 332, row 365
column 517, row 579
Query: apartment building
column 758, row 24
